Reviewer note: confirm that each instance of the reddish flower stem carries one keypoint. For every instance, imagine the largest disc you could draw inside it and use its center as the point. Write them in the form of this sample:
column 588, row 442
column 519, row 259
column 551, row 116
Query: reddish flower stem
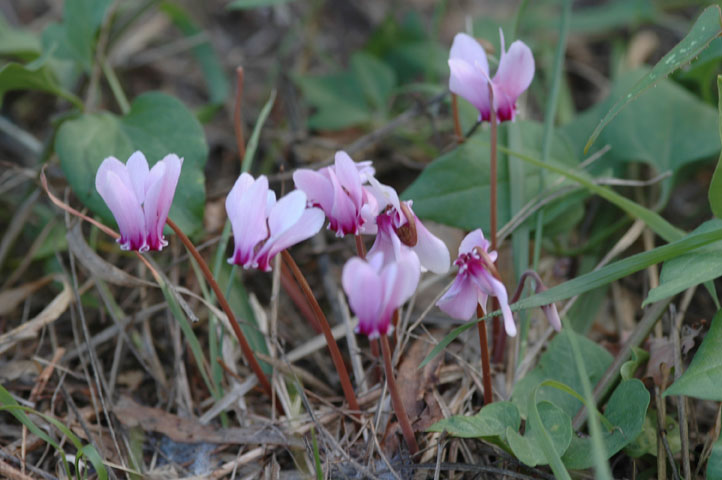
column 237, row 123
column 457, row 124
column 297, row 297
column 245, row 347
column 485, row 364
column 332, row 345
column 396, row 399
column 360, row 248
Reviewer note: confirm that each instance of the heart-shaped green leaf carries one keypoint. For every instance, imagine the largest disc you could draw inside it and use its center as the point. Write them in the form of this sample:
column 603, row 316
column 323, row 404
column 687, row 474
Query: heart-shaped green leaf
column 157, row 125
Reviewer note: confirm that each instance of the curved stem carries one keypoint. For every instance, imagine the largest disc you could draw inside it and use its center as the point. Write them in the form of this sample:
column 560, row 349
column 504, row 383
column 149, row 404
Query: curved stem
column 396, row 399
column 245, row 347
column 332, row 345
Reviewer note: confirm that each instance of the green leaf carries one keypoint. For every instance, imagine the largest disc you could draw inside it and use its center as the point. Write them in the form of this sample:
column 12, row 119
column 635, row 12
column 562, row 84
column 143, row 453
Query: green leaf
column 338, row 99
column 558, row 364
column 639, row 358
column 452, row 187
column 715, row 187
column 646, row 441
column 714, row 464
column 625, row 410
column 157, row 125
column 18, row 42
column 248, row 4
column 75, row 38
column 610, row 15
column 705, row 29
column 558, row 426
column 491, row 421
column 702, row 378
column 204, row 53
column 668, row 127
column 377, row 80
column 34, row 76
column 693, row 268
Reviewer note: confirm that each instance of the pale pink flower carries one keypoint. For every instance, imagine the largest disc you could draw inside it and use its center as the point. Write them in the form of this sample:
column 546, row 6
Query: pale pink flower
column 377, row 287
column 474, row 283
column 338, row 190
column 470, row 75
column 139, row 198
column 395, row 235
column 262, row 226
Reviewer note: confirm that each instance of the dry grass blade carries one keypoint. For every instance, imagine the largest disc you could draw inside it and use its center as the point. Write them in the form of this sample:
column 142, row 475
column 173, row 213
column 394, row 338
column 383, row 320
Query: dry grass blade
column 49, row 314
column 98, row 267
column 10, row 299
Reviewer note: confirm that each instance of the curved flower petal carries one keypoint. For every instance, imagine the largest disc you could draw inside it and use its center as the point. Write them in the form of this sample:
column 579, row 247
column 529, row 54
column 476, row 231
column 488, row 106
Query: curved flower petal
column 246, row 207
column 466, row 48
column 349, row 178
column 161, row 184
column 127, row 212
column 469, row 82
column 473, row 239
column 364, row 290
column 386, row 242
column 343, row 218
column 550, row 311
column 432, row 252
column 513, row 77
column 307, row 225
column 399, row 279
column 460, row 300
column 112, row 164
column 499, row 291
column 138, row 171
column 316, row 186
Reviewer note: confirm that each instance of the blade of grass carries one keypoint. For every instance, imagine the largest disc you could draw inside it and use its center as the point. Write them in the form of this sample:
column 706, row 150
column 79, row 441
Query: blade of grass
column 545, row 441
column 20, row 413
column 599, row 452
column 549, row 117
column 658, row 224
column 185, row 325
column 253, row 141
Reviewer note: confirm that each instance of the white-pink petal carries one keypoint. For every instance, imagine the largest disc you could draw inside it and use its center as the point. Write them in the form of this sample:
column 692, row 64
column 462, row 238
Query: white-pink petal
column 432, row 252
column 466, row 48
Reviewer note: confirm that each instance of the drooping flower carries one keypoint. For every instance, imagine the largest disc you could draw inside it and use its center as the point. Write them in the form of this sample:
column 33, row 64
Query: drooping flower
column 470, row 75
column 399, row 229
column 376, row 287
column 262, row 226
column 139, row 198
column 338, row 190
column 475, row 282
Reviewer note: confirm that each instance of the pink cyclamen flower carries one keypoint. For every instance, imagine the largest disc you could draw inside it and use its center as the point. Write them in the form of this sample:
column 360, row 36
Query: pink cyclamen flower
column 399, row 229
column 139, row 198
column 474, row 282
column 376, row 288
column 262, row 226
column 338, row 190
column 470, row 75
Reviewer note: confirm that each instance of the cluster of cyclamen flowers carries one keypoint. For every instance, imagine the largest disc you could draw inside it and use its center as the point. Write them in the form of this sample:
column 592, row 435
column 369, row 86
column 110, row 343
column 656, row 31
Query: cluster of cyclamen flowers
column 353, row 200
